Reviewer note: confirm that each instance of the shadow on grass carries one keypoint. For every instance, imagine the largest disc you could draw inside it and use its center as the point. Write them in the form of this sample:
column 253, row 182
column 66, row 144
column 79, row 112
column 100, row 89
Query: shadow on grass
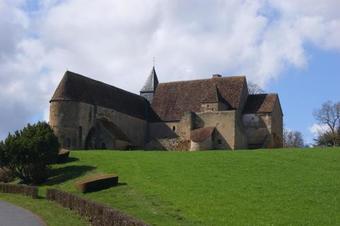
column 63, row 174
column 71, row 159
column 106, row 188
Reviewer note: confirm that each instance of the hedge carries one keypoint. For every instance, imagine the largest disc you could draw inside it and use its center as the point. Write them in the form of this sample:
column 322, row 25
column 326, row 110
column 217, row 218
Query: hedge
column 98, row 214
column 30, row 191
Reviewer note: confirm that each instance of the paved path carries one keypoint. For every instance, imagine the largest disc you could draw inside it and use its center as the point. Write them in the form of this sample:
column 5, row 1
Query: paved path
column 11, row 215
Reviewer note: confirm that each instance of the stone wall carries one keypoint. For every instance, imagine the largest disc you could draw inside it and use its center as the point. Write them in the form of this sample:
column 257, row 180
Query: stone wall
column 134, row 128
column 227, row 129
column 209, row 107
column 64, row 121
column 258, row 129
column 241, row 140
column 160, row 130
column 213, row 107
column 72, row 122
column 169, row 144
column 182, row 128
column 277, row 127
column 229, row 132
column 264, row 130
column 204, row 145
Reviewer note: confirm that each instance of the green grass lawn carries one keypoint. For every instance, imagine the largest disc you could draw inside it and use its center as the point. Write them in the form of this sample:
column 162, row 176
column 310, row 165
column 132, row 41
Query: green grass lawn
column 265, row 187
column 51, row 213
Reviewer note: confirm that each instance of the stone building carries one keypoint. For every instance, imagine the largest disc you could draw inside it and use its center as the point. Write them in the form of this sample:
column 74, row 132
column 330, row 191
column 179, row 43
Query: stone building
column 214, row 113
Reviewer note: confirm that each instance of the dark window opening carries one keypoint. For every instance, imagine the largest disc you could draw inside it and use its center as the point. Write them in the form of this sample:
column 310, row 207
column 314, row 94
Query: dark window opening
column 173, row 128
column 219, row 141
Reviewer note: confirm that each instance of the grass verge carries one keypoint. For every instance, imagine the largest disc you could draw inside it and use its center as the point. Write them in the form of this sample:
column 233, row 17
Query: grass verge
column 51, row 213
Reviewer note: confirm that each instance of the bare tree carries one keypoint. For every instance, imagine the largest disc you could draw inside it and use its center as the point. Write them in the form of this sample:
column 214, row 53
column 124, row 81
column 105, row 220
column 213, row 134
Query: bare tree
column 292, row 139
column 254, row 88
column 329, row 115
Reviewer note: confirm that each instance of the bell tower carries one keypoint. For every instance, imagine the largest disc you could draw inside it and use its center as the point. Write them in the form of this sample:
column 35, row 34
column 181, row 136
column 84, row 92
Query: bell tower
column 150, row 86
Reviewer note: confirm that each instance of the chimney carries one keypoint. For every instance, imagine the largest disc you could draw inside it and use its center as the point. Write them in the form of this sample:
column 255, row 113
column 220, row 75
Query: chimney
column 216, row 76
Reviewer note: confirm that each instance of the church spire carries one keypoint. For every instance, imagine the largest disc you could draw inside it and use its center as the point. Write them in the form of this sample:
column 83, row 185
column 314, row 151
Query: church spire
column 150, row 86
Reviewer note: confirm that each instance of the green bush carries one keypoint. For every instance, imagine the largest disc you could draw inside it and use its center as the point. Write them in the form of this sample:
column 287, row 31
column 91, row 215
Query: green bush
column 6, row 175
column 28, row 152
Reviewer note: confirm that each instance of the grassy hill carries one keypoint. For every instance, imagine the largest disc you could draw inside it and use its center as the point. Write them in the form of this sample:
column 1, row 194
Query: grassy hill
column 265, row 187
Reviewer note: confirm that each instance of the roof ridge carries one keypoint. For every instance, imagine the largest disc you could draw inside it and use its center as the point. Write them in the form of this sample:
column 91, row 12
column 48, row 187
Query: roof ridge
column 204, row 79
column 258, row 94
column 97, row 81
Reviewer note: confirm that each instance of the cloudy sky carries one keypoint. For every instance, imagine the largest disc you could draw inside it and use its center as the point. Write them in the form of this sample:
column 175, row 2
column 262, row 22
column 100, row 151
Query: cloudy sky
column 291, row 47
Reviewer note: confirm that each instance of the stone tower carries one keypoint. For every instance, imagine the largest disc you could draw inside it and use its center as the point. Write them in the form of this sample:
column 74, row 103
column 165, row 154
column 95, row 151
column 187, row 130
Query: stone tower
column 150, row 86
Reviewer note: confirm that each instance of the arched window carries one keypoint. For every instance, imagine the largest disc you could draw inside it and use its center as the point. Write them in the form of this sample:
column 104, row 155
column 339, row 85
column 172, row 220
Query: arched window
column 173, row 128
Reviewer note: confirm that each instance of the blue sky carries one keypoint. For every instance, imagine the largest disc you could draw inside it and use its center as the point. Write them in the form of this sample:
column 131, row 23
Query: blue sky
column 288, row 47
column 304, row 90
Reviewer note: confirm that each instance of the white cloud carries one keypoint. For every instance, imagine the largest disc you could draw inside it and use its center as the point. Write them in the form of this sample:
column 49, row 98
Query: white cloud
column 317, row 129
column 115, row 41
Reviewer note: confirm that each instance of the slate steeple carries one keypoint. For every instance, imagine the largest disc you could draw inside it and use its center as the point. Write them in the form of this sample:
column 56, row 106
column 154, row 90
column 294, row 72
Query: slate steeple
column 150, row 86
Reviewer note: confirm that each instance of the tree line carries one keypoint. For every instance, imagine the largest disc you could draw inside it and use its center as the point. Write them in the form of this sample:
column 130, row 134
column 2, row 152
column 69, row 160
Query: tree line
column 328, row 117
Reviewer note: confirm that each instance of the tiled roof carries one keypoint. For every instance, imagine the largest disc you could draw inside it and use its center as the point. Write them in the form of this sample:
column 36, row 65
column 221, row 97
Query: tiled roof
column 173, row 99
column 75, row 87
column 201, row 134
column 260, row 103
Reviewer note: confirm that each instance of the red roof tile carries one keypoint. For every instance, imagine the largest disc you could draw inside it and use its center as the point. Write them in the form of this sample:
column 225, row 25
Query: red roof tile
column 260, row 103
column 201, row 134
column 173, row 99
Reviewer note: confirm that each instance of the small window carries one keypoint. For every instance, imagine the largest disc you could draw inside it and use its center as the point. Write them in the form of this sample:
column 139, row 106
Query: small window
column 219, row 141
column 173, row 128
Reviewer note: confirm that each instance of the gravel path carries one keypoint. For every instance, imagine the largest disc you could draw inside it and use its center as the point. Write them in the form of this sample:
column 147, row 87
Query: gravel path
column 11, row 215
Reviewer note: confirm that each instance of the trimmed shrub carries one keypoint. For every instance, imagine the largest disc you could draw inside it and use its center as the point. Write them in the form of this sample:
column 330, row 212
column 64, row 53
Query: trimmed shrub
column 28, row 152
column 6, row 175
column 30, row 191
column 97, row 214
column 96, row 183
